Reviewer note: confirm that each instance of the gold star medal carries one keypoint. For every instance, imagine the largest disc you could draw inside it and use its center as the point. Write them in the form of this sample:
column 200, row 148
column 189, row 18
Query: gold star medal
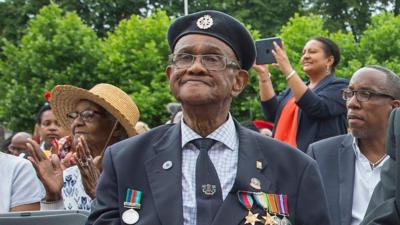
column 251, row 218
column 247, row 201
column 268, row 219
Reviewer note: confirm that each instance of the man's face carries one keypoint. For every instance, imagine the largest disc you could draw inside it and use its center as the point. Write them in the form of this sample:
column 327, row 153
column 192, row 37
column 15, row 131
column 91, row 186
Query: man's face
column 18, row 145
column 369, row 119
column 197, row 85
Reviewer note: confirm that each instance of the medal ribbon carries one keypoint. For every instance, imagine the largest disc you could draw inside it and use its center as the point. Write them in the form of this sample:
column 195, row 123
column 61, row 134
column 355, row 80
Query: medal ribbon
column 262, row 200
column 133, row 198
column 272, row 203
column 245, row 199
column 284, row 204
column 278, row 205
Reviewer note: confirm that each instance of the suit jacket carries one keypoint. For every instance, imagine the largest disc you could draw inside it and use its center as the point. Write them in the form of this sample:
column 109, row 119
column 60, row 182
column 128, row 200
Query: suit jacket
column 137, row 163
column 336, row 160
column 322, row 111
column 384, row 206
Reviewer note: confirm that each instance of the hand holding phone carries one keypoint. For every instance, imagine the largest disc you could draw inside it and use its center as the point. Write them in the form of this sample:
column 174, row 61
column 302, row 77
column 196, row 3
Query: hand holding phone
column 264, row 49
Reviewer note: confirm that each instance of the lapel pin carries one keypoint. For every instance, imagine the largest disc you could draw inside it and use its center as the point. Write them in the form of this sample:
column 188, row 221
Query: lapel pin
column 258, row 165
column 255, row 183
column 167, row 165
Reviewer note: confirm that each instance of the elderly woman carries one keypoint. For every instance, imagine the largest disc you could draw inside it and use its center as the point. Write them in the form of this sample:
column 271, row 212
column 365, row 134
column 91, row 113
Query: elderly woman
column 96, row 118
column 311, row 111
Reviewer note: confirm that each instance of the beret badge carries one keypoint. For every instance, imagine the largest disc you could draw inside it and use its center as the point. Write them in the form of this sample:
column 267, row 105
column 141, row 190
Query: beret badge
column 205, row 22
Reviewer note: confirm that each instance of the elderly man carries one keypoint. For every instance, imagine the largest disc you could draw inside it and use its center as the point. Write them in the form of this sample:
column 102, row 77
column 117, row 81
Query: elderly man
column 208, row 169
column 350, row 164
column 18, row 143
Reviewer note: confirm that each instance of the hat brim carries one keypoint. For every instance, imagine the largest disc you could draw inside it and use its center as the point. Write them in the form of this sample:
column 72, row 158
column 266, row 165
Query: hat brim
column 65, row 98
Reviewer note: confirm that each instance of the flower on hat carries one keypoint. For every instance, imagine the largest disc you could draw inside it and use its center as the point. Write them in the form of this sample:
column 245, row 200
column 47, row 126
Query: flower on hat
column 47, row 95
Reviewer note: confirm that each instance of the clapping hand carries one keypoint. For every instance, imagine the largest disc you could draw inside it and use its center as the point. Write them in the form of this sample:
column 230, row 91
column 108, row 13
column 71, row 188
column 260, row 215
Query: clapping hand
column 89, row 171
column 48, row 170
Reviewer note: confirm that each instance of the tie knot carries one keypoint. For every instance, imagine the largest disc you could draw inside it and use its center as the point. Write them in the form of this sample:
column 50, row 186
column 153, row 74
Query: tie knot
column 203, row 144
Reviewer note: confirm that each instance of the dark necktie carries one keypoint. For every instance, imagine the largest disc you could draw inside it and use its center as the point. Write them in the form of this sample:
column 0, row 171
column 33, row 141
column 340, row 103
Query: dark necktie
column 208, row 188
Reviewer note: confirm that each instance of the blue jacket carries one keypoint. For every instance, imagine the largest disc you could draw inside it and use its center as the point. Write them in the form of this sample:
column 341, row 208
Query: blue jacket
column 322, row 111
column 137, row 163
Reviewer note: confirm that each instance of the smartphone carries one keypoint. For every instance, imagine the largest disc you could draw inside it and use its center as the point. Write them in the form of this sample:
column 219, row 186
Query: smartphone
column 264, row 49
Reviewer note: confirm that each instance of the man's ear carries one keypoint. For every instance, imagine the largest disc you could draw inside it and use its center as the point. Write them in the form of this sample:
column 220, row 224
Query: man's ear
column 240, row 82
column 395, row 104
column 168, row 72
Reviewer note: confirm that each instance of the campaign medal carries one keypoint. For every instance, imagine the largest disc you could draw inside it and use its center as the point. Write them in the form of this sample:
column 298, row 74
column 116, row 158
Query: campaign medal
column 262, row 201
column 247, row 201
column 284, row 209
column 130, row 216
column 132, row 201
column 273, row 209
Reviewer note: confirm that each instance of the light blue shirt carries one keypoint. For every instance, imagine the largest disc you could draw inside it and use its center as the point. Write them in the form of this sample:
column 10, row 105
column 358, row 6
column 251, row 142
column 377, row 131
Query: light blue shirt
column 224, row 156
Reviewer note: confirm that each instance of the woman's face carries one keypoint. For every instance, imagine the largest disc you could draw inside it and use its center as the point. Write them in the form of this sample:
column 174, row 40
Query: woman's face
column 49, row 128
column 93, row 123
column 314, row 59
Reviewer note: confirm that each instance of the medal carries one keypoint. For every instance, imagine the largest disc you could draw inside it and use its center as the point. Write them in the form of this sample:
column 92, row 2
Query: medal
column 130, row 216
column 276, row 220
column 268, row 219
column 285, row 221
column 247, row 201
column 132, row 201
column 262, row 200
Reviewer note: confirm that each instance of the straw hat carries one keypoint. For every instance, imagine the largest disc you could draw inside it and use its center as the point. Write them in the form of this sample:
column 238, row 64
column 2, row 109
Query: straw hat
column 112, row 99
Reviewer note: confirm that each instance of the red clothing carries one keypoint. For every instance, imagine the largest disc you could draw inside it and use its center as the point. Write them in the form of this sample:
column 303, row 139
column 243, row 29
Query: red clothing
column 286, row 128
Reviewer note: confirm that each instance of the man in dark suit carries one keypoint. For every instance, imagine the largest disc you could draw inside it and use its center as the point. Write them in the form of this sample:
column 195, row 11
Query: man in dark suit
column 384, row 207
column 350, row 164
column 166, row 176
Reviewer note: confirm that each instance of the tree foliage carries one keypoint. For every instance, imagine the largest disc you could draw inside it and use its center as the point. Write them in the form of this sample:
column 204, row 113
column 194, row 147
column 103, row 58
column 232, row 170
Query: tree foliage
column 351, row 15
column 56, row 49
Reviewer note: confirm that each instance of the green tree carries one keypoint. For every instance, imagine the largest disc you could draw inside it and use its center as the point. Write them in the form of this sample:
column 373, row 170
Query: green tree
column 353, row 15
column 135, row 57
column 56, row 49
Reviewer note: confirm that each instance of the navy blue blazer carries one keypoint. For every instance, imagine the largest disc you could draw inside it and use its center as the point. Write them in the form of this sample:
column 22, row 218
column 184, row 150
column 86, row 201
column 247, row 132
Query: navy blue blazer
column 336, row 160
column 137, row 163
column 322, row 111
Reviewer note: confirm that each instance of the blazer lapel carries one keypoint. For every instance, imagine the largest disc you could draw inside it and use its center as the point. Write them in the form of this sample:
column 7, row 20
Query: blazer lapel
column 163, row 179
column 231, row 211
column 346, row 178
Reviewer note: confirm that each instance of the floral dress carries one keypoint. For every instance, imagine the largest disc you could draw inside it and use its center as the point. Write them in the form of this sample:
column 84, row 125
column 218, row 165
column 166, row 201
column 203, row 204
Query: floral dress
column 73, row 192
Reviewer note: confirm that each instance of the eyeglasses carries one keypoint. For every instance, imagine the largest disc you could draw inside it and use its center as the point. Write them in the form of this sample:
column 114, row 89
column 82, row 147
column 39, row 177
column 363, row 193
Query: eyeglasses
column 16, row 149
column 362, row 95
column 210, row 61
column 86, row 115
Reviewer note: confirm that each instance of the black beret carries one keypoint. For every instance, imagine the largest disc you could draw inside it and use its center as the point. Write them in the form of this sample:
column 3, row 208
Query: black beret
column 219, row 25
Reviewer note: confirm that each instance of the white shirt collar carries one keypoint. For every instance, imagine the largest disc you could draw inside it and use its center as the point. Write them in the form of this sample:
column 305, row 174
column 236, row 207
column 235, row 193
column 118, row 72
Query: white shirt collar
column 225, row 134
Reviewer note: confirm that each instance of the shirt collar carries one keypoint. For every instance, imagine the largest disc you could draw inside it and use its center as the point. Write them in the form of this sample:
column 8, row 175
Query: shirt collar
column 360, row 156
column 226, row 133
